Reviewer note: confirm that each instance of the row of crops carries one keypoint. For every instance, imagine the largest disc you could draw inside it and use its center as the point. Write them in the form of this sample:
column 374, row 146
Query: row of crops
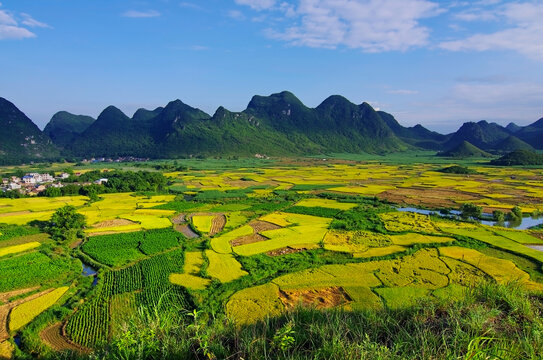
column 122, row 249
column 148, row 280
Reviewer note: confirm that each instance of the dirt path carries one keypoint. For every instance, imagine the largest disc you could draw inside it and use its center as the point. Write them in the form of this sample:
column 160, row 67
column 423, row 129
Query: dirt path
column 179, row 219
column 4, row 297
column 53, row 337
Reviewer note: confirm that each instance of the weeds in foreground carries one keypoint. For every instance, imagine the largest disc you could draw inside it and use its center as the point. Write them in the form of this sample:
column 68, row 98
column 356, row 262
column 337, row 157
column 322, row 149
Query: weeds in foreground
column 491, row 322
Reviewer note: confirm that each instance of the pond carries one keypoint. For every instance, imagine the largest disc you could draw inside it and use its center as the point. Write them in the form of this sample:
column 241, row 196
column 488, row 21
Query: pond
column 90, row 271
column 525, row 223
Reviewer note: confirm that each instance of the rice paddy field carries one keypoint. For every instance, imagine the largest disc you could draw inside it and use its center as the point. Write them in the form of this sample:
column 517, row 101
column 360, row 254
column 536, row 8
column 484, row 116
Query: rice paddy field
column 252, row 241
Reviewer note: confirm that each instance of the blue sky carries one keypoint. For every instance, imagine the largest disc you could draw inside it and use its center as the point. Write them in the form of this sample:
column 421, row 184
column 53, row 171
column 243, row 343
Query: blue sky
column 438, row 63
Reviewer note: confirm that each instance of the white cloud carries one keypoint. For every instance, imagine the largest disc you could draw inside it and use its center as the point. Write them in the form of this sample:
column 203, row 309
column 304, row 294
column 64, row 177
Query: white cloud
column 370, row 25
column 257, row 4
column 141, row 14
column 475, row 15
column 523, row 36
column 9, row 28
column 236, row 15
column 9, row 32
column 7, row 18
column 199, row 48
column 403, row 92
column 30, row 21
column 190, row 6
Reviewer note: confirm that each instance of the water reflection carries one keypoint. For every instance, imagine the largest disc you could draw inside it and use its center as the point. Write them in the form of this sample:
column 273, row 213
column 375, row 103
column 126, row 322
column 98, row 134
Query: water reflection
column 520, row 224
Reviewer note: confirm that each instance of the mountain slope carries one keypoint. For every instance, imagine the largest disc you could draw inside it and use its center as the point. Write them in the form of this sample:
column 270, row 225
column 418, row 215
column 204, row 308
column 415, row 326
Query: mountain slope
column 113, row 134
column 482, row 134
column 63, row 127
column 20, row 139
column 417, row 135
column 513, row 143
column 464, row 150
column 532, row 134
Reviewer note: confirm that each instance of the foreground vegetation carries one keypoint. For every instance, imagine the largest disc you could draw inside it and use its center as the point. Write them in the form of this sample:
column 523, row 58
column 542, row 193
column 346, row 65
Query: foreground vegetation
column 490, row 322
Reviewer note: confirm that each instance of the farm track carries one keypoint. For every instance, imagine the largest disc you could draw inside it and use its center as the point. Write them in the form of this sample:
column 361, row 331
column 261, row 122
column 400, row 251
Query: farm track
column 53, row 337
column 6, row 309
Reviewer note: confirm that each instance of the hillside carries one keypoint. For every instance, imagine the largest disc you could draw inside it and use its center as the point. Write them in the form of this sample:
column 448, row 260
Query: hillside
column 464, row 150
column 417, row 135
column 64, row 126
column 279, row 124
column 482, row 134
column 513, row 143
column 519, row 157
column 532, row 134
column 20, row 139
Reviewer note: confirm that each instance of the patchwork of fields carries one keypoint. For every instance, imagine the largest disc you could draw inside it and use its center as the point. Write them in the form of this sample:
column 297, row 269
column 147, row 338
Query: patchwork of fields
column 255, row 243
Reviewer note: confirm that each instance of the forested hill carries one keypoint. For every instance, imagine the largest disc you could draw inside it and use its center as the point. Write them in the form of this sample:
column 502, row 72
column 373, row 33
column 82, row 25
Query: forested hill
column 20, row 139
column 279, row 124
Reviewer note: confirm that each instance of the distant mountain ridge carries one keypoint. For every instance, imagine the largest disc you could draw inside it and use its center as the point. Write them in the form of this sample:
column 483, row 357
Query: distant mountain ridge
column 279, row 124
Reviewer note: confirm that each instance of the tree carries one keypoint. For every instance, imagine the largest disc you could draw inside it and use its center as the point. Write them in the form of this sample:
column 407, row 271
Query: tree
column 66, row 224
column 470, row 211
column 515, row 214
column 498, row 215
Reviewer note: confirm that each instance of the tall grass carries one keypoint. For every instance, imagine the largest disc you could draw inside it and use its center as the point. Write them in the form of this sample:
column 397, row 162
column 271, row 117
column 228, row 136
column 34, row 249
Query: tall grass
column 491, row 322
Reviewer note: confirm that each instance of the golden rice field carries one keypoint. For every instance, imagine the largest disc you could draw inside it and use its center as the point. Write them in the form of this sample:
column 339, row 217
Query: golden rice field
column 305, row 232
column 26, row 312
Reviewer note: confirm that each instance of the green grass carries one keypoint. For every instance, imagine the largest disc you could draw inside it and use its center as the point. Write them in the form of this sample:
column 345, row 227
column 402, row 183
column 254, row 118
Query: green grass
column 36, row 269
column 116, row 249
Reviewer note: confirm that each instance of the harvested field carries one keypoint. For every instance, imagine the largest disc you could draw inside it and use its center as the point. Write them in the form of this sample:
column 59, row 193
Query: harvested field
column 217, row 224
column 113, row 223
column 284, row 251
column 318, row 298
column 432, row 198
column 53, row 337
column 259, row 226
column 249, row 239
column 187, row 231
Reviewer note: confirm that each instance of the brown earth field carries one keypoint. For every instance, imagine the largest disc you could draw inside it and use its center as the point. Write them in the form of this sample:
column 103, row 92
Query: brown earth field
column 318, row 298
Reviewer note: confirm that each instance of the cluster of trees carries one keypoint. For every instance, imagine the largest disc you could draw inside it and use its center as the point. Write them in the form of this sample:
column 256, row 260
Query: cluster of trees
column 472, row 211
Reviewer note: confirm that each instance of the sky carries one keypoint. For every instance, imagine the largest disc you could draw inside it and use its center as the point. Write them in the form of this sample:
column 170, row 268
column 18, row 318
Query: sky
column 437, row 63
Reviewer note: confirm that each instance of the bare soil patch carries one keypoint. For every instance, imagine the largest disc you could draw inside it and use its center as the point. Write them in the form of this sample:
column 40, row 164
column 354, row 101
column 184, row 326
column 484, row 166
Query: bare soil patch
column 318, row 298
column 53, row 337
column 218, row 224
column 284, row 251
column 4, row 297
column 259, row 226
column 179, row 219
column 249, row 239
column 432, row 198
column 112, row 223
column 186, row 230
